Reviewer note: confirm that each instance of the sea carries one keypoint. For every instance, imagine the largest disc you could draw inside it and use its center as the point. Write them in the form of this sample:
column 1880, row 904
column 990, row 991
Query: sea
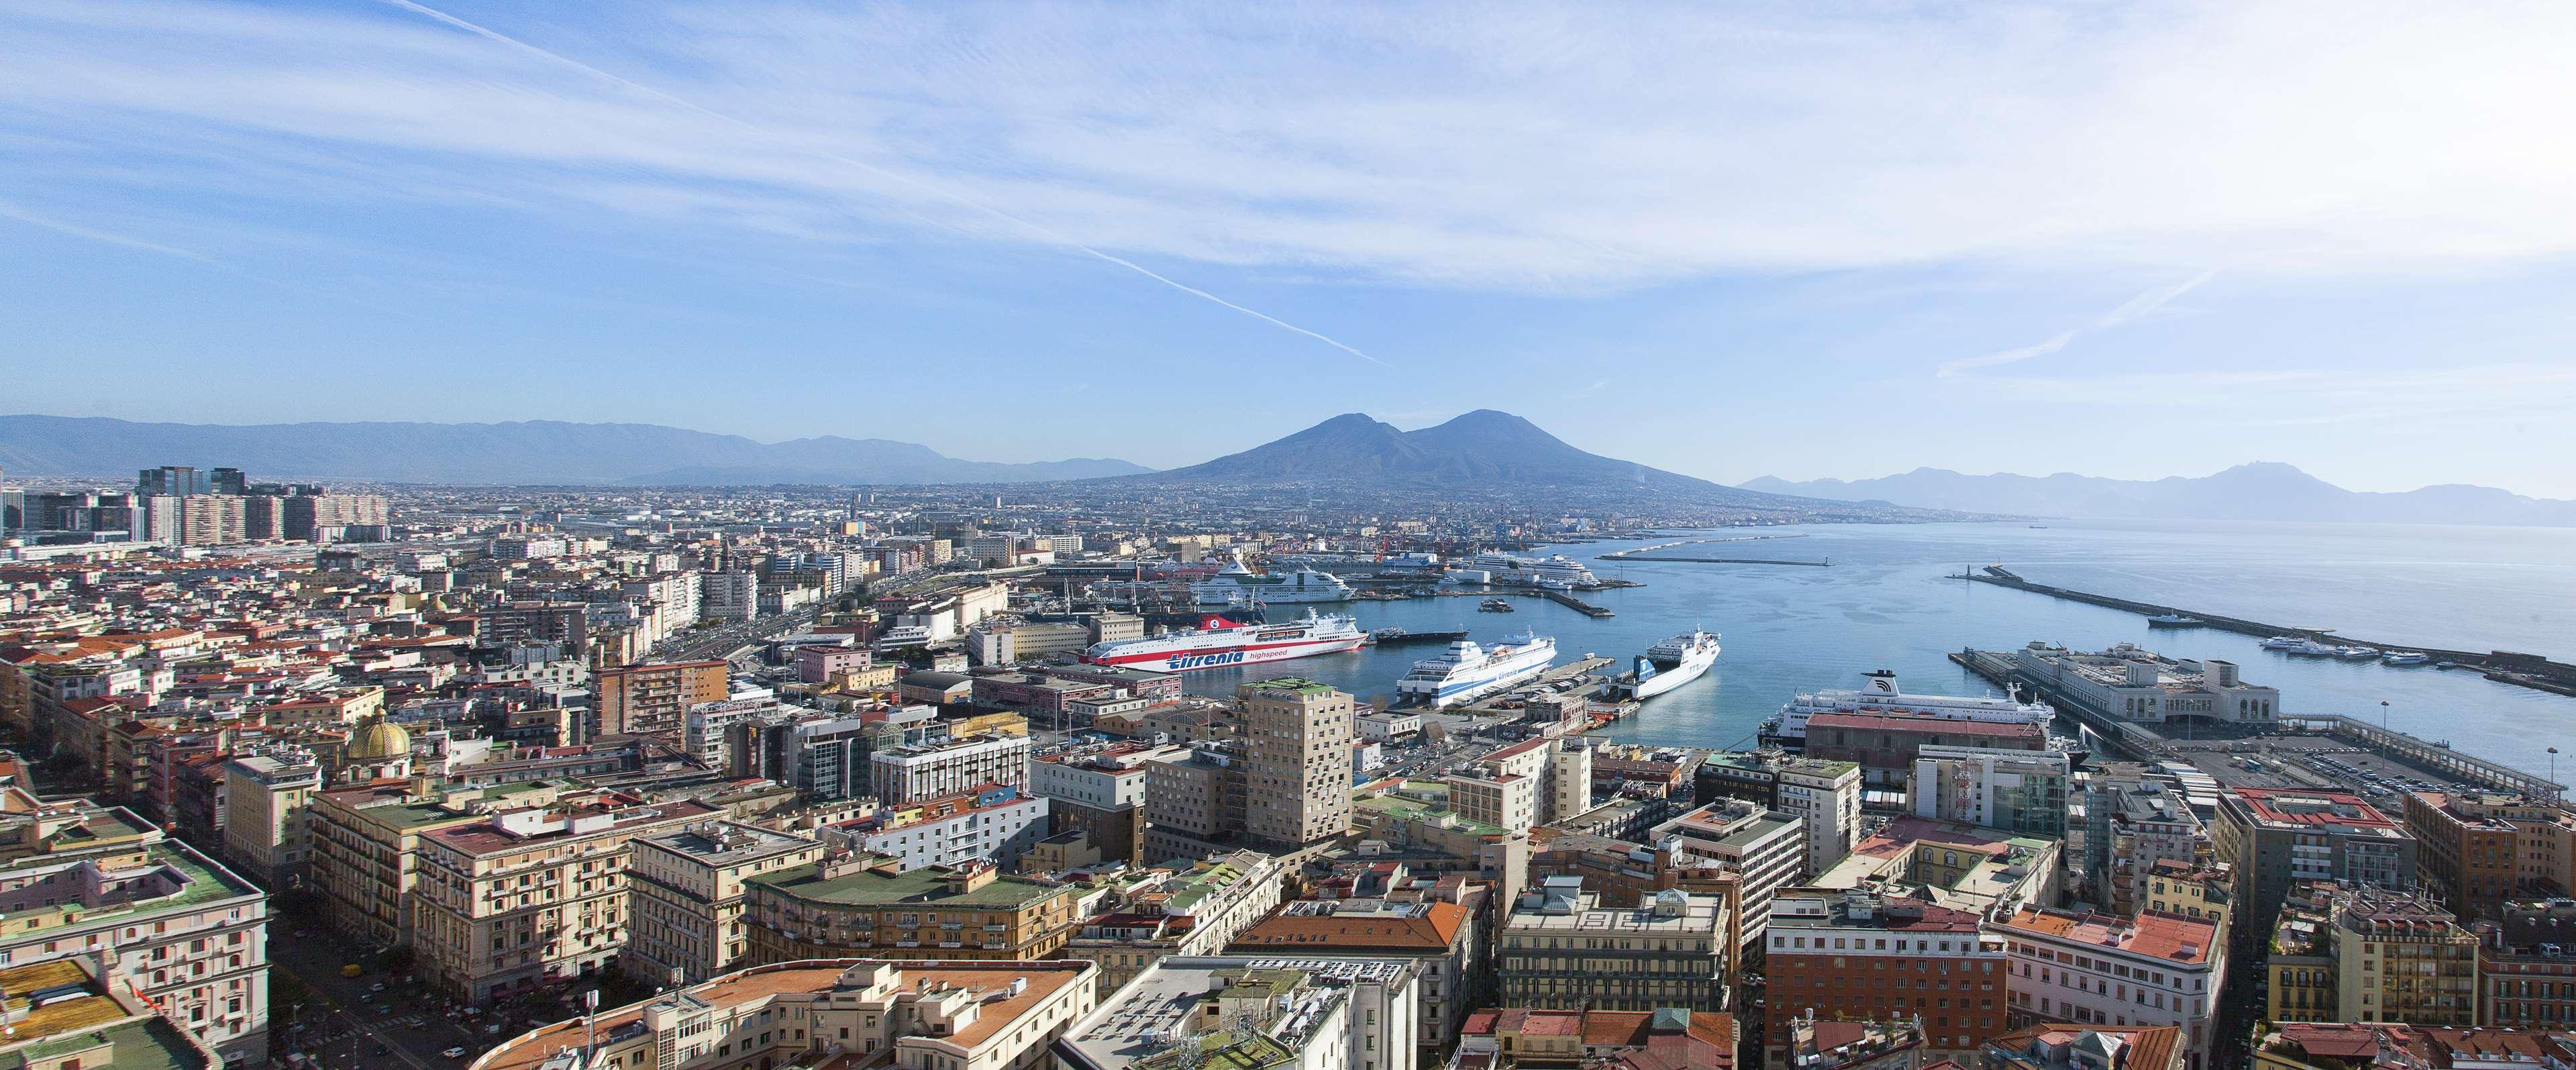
column 1882, row 601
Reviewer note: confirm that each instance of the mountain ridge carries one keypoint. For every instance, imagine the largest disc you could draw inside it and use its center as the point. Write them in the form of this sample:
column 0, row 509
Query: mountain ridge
column 521, row 451
column 2260, row 490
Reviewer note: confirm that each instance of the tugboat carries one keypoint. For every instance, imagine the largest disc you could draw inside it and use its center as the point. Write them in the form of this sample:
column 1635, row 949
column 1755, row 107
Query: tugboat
column 1494, row 605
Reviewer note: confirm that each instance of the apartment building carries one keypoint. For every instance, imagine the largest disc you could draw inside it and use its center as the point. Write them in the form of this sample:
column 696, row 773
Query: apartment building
column 96, row 892
column 993, row 823
column 2479, row 849
column 2274, row 838
column 1195, row 912
column 2527, row 965
column 841, row 903
column 1438, row 938
column 905, row 774
column 2135, row 820
column 1861, row 955
column 1297, row 751
column 1824, row 795
column 685, row 894
column 2094, row 969
column 872, row 1012
column 1195, row 804
column 265, row 797
column 1561, row 949
column 1249, row 1013
column 653, row 699
column 366, row 846
column 532, row 894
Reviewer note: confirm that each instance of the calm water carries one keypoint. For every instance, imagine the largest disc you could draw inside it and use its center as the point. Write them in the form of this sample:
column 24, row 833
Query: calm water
column 1883, row 604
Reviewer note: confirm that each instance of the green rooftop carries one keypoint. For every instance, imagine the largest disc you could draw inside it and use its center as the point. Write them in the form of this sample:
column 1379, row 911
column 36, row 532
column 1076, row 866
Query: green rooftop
column 200, row 883
column 927, row 886
column 1296, row 685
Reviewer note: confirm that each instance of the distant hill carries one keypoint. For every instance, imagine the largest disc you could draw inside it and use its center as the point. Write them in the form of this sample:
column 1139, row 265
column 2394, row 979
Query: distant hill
column 2262, row 491
column 538, row 451
column 1483, row 455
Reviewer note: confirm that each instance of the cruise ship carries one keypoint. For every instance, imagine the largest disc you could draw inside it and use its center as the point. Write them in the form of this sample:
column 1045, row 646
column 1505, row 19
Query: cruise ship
column 1667, row 665
column 1237, row 585
column 1219, row 643
column 1469, row 672
column 1554, row 570
column 1878, row 694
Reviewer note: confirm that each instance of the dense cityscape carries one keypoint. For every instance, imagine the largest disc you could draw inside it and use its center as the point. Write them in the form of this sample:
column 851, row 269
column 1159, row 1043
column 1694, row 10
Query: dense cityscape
column 578, row 778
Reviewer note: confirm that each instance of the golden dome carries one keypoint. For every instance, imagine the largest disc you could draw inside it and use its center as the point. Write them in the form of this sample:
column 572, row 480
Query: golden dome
column 377, row 741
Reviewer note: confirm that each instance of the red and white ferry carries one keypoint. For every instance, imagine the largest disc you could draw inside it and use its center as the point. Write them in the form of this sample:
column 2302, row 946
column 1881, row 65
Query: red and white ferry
column 1220, row 643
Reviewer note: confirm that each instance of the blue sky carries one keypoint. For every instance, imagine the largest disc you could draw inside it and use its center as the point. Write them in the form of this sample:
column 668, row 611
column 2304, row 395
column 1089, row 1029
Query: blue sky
column 1802, row 241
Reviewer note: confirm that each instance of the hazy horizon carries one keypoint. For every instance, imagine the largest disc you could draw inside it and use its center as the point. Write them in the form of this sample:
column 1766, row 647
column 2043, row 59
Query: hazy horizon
column 2122, row 240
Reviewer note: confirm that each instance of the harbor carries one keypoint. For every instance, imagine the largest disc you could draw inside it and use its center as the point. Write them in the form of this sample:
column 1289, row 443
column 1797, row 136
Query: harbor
column 2502, row 666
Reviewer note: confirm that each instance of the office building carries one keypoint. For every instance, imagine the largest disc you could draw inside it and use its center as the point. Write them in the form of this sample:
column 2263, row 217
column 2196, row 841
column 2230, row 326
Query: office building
column 1561, row 949
column 905, row 774
column 265, row 797
column 994, row 823
column 2133, row 684
column 2135, row 821
column 2274, row 838
column 2021, row 792
column 1767, row 849
column 2155, row 969
column 2527, row 965
column 2479, row 849
column 1824, row 795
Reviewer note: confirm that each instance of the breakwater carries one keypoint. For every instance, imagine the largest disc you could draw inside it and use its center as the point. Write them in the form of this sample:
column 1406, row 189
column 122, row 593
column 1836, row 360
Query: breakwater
column 2503, row 666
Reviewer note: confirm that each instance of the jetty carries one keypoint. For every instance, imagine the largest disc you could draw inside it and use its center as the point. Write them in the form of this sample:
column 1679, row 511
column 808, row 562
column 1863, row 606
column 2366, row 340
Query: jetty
column 2503, row 666
column 1826, row 563
column 1617, row 555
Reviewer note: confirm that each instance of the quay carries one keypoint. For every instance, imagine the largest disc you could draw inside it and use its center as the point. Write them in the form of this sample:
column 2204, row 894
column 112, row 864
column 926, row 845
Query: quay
column 2503, row 666
column 2145, row 743
column 1616, row 555
column 1827, row 563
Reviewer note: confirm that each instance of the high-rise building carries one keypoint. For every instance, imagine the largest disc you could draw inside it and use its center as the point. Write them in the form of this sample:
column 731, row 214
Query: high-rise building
column 314, row 517
column 1824, row 794
column 1297, row 750
column 2016, row 791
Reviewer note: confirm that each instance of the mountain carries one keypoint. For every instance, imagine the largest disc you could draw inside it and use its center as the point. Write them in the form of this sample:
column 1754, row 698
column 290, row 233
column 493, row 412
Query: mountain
column 537, row 451
column 1485, row 455
column 2262, row 491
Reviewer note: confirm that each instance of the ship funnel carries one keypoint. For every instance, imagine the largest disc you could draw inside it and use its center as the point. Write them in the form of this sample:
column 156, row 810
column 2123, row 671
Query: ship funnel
column 1882, row 682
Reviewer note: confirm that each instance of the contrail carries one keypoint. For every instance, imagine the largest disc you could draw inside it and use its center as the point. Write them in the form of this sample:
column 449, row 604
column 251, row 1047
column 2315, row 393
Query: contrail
column 14, row 212
column 2135, row 307
column 1033, row 227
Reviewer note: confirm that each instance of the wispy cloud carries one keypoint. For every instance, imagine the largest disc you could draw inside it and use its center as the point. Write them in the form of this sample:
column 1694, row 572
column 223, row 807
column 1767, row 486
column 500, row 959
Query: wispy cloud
column 1517, row 148
column 2129, row 311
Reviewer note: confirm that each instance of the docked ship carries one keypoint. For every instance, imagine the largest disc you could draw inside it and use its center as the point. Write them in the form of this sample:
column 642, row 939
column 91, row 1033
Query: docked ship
column 1237, row 585
column 1667, row 665
column 1469, row 672
column 1555, row 571
column 1878, row 694
column 1219, row 643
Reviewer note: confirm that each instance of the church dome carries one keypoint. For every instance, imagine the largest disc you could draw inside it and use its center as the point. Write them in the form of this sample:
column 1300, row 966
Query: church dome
column 377, row 741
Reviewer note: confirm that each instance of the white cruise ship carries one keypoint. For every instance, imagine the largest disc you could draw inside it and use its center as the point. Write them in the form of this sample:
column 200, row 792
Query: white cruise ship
column 1469, row 672
column 1554, row 570
column 1237, row 585
column 1878, row 694
column 1219, row 643
column 1667, row 665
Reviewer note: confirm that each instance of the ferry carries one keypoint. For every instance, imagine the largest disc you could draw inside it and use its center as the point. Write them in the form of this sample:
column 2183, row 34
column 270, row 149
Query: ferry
column 1218, row 643
column 1879, row 694
column 1238, row 585
column 1667, row 665
column 2283, row 642
column 2405, row 657
column 2313, row 649
column 1469, row 672
column 2357, row 653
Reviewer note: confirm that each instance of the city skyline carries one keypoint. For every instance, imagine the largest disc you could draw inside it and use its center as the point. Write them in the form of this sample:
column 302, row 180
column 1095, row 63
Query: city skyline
column 2125, row 242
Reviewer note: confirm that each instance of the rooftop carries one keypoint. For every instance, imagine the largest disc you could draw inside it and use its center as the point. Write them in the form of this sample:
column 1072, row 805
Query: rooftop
column 2156, row 936
column 865, row 886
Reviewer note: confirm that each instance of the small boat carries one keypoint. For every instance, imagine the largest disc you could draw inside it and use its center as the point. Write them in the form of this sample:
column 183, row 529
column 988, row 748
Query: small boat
column 2283, row 642
column 2313, row 649
column 2173, row 620
column 2446, row 665
column 2405, row 657
column 2357, row 653
column 1494, row 605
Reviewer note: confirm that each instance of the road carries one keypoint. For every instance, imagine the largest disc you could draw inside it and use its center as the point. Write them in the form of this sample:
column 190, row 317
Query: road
column 724, row 639
column 341, row 1021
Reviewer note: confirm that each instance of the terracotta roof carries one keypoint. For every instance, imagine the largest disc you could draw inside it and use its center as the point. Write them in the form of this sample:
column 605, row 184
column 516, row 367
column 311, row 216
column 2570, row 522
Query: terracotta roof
column 2157, row 936
column 1434, row 929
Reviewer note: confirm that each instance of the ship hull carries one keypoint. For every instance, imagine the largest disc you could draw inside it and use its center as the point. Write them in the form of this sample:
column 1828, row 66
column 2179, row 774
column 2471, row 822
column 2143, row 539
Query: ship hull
column 1691, row 668
column 1465, row 688
column 1226, row 657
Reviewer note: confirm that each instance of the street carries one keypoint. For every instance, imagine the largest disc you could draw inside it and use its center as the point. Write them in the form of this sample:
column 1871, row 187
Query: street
column 344, row 1021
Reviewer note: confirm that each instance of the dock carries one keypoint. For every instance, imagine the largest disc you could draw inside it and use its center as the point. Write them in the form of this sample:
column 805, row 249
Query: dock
column 1576, row 604
column 2503, row 666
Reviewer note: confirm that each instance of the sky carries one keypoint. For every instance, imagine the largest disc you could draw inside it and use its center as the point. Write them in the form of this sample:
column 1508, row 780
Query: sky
column 1799, row 240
